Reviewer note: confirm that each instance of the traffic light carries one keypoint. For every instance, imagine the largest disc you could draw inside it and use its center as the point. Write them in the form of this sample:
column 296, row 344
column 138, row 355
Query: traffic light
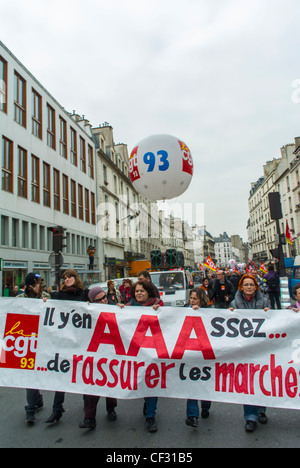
column 274, row 253
column 275, row 205
column 171, row 259
column 58, row 238
column 283, row 239
column 156, row 259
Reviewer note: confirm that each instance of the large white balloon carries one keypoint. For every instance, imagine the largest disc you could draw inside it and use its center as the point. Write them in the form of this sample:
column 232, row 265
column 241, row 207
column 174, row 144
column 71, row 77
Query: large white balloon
column 161, row 167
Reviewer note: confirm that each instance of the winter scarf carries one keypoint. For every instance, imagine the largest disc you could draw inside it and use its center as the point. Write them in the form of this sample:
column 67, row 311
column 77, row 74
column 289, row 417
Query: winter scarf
column 150, row 302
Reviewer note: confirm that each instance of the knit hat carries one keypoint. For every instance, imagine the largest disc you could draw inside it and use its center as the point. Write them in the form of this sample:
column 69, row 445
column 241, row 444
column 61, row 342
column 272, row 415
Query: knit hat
column 94, row 293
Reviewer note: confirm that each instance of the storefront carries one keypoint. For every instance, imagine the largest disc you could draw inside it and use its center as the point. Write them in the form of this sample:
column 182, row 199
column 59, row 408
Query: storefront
column 13, row 273
column 115, row 268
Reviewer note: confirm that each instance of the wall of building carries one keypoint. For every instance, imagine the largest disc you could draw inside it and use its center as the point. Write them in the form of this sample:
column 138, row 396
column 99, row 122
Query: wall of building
column 29, row 203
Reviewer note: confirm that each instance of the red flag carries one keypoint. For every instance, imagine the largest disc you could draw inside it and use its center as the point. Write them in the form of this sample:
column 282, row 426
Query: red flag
column 253, row 264
column 263, row 268
column 288, row 235
column 210, row 264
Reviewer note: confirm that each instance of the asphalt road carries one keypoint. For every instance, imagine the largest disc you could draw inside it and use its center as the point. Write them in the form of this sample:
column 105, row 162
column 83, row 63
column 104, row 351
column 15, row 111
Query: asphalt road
column 223, row 429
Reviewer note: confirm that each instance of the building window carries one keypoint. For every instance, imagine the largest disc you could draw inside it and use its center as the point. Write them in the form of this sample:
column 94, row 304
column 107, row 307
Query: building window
column 3, row 85
column 73, row 198
column 91, row 161
column 46, row 185
column 36, row 114
column 42, row 237
column 82, row 155
column 4, row 230
column 80, row 201
column 22, row 172
column 62, row 137
column 15, row 233
column 20, row 100
column 87, row 205
column 25, row 237
column 7, row 165
column 56, row 189
column 105, row 175
column 34, row 236
column 51, row 127
column 65, row 194
column 93, row 209
column 73, row 150
column 35, row 180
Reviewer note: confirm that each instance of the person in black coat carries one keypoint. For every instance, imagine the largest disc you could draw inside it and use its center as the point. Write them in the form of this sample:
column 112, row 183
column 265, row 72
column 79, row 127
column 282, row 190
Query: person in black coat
column 273, row 290
column 221, row 290
column 72, row 290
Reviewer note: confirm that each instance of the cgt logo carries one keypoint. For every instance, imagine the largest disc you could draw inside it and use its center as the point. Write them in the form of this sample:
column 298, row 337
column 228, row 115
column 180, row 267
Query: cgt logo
column 187, row 161
column 19, row 344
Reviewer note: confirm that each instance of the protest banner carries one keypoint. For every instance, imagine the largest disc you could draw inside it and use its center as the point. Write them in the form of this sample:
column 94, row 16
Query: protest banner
column 246, row 357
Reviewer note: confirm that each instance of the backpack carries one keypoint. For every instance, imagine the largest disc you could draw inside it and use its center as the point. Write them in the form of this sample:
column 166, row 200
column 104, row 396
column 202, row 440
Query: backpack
column 273, row 283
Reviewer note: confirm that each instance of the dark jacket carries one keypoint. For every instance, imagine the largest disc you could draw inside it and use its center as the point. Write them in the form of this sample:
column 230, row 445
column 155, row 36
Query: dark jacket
column 268, row 277
column 218, row 291
column 235, row 279
column 126, row 295
column 72, row 294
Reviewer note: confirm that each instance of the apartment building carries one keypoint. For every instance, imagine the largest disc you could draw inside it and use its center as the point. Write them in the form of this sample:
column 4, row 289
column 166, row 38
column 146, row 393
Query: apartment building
column 56, row 170
column 48, row 177
column 223, row 250
column 280, row 175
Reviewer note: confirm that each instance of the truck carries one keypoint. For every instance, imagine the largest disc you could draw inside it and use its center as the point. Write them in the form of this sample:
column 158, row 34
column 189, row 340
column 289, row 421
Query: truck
column 136, row 266
column 174, row 286
column 292, row 267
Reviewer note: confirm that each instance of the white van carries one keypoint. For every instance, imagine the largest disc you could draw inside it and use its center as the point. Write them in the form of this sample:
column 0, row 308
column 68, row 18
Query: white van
column 174, row 286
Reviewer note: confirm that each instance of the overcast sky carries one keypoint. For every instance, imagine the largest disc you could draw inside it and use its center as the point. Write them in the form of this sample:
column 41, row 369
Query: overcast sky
column 216, row 73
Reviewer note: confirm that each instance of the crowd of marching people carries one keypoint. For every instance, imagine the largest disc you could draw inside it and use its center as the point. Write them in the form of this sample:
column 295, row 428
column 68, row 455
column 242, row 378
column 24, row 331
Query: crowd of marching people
column 221, row 290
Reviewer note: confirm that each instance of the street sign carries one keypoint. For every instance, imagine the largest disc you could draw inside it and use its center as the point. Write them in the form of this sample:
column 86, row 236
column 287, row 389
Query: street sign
column 56, row 260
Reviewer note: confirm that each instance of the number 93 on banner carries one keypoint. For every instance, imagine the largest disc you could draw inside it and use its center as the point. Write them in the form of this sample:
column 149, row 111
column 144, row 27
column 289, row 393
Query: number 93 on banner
column 161, row 167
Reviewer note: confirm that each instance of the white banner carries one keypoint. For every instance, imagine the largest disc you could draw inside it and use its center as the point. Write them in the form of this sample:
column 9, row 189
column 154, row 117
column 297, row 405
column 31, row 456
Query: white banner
column 245, row 357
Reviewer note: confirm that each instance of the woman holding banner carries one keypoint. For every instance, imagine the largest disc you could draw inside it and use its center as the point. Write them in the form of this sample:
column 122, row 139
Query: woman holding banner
column 143, row 294
column 33, row 290
column 97, row 296
column 198, row 299
column 72, row 290
column 249, row 296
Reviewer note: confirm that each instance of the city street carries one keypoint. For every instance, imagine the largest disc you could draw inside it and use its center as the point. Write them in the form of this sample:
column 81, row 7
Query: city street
column 224, row 428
